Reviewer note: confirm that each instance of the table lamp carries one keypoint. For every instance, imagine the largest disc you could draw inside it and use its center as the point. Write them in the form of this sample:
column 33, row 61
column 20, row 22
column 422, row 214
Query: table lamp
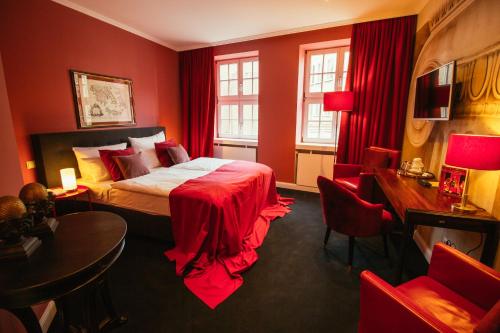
column 337, row 101
column 68, row 179
column 478, row 152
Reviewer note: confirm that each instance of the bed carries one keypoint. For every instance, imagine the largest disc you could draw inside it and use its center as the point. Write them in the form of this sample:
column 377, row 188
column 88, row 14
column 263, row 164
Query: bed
column 217, row 211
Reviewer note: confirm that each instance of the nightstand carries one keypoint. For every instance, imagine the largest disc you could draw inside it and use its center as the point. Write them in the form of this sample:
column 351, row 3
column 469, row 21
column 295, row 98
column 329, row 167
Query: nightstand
column 80, row 191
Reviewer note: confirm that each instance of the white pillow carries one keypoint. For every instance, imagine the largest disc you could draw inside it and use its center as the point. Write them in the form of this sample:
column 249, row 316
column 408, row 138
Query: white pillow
column 90, row 163
column 146, row 145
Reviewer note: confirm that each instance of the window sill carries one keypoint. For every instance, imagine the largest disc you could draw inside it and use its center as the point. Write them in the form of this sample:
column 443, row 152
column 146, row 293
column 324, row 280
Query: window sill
column 316, row 146
column 240, row 142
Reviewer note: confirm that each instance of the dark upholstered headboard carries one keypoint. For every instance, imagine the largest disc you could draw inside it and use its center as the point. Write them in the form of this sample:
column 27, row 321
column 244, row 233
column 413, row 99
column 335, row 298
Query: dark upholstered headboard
column 53, row 151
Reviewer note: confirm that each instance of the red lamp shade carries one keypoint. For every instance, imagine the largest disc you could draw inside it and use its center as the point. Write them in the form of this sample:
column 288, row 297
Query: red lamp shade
column 337, row 101
column 480, row 152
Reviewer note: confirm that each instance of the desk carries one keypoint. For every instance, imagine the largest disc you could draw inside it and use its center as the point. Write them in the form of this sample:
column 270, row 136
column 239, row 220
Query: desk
column 84, row 246
column 418, row 205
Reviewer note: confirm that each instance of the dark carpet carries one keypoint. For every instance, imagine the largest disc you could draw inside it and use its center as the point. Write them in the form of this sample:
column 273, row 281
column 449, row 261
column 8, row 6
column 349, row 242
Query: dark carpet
column 296, row 285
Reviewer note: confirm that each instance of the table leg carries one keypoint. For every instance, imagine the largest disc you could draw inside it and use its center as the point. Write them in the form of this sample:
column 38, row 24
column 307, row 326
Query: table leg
column 28, row 318
column 114, row 319
column 490, row 246
column 405, row 241
column 90, row 311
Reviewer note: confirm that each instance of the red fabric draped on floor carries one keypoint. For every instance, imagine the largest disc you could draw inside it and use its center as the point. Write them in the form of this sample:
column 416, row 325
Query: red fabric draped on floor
column 218, row 221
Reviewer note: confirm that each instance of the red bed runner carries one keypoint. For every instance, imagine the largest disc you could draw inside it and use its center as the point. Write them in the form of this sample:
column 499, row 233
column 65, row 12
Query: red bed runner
column 218, row 221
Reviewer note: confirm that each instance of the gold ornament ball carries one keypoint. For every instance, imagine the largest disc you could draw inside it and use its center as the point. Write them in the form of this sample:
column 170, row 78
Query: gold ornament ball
column 11, row 207
column 33, row 192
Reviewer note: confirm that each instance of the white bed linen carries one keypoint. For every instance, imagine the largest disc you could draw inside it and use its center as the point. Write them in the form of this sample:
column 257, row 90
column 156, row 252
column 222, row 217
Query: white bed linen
column 161, row 181
column 149, row 193
column 103, row 193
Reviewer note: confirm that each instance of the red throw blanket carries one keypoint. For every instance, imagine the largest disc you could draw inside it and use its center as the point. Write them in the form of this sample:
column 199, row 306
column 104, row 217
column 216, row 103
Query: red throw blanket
column 218, row 221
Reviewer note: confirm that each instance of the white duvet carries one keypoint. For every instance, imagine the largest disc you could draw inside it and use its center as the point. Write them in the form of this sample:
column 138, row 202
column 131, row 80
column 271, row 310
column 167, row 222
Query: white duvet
column 161, row 181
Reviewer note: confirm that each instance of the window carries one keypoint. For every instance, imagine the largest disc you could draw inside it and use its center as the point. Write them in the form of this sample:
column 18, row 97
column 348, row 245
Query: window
column 326, row 70
column 237, row 98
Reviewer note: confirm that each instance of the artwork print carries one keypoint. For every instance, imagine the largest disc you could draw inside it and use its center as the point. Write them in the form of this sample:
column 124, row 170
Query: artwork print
column 102, row 101
column 452, row 180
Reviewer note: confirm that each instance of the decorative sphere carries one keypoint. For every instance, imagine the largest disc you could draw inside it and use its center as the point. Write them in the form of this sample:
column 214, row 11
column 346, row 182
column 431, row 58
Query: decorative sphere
column 33, row 192
column 11, row 207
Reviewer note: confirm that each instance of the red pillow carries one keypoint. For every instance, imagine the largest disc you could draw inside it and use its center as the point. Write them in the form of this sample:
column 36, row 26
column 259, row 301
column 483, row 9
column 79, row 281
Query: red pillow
column 110, row 164
column 162, row 152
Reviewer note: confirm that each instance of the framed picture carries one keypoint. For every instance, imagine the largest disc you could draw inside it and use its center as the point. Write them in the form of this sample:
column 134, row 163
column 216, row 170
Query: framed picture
column 102, row 101
column 452, row 180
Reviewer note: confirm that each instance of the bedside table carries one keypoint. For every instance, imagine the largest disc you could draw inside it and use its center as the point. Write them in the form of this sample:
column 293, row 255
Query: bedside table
column 80, row 191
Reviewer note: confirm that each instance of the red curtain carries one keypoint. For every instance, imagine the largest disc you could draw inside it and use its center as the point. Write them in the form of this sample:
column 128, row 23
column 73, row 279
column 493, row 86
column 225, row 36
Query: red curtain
column 198, row 101
column 381, row 60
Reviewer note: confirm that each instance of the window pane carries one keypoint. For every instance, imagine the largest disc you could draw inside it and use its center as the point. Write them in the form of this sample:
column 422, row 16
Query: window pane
column 325, row 130
column 233, row 88
column 247, row 112
column 234, row 127
column 233, row 71
column 326, row 115
column 223, row 88
column 247, row 69
column 234, row 111
column 315, row 83
column 328, row 82
column 223, row 74
column 247, row 87
column 316, row 63
column 255, row 69
column 314, row 112
column 224, row 127
column 346, row 61
column 330, row 62
column 313, row 129
column 224, row 112
column 255, row 86
column 344, row 80
column 255, row 112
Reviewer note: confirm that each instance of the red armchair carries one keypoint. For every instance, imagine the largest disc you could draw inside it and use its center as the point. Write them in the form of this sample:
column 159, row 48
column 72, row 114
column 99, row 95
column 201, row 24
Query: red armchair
column 358, row 178
column 346, row 213
column 458, row 294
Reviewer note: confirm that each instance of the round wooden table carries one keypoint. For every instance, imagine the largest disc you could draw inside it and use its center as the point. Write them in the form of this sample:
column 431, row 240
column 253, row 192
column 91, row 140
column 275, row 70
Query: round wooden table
column 83, row 248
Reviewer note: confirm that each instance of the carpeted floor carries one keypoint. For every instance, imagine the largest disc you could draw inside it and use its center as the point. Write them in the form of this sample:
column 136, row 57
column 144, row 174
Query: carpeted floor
column 296, row 286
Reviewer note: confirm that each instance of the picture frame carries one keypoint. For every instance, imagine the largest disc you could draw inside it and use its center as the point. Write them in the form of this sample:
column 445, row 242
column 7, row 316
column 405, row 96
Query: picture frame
column 453, row 180
column 102, row 100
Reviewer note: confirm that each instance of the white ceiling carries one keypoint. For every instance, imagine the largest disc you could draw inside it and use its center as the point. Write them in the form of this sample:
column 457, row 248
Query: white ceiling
column 189, row 24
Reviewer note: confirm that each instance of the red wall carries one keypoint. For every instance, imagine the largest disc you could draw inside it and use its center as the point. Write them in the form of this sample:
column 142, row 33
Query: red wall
column 279, row 69
column 41, row 41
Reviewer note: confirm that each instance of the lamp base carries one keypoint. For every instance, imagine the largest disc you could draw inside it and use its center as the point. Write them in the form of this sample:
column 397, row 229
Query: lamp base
column 461, row 208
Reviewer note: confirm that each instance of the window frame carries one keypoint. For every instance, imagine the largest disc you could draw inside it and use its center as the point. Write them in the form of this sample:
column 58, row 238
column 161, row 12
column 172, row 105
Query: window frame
column 317, row 97
column 238, row 99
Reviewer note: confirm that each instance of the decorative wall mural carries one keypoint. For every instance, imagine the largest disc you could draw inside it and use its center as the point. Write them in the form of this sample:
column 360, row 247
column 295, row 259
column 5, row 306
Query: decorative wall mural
column 479, row 82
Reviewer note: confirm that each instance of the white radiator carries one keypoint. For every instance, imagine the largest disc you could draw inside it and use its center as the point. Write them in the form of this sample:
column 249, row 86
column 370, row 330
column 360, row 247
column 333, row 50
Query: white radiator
column 235, row 152
column 312, row 164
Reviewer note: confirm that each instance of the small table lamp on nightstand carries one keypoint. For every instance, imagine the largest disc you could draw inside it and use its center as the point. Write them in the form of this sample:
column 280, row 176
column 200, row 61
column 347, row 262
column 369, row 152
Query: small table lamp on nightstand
column 478, row 152
column 68, row 180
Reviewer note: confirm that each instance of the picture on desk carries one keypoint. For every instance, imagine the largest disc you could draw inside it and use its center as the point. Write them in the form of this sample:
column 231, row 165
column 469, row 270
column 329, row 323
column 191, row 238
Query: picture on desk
column 452, row 180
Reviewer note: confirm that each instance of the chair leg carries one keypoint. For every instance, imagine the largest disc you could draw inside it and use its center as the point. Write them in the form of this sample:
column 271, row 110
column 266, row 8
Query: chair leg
column 386, row 247
column 327, row 235
column 351, row 250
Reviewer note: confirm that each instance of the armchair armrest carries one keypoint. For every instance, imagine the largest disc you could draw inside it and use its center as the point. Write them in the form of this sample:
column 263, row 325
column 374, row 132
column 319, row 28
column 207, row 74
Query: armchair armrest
column 346, row 170
column 465, row 275
column 384, row 309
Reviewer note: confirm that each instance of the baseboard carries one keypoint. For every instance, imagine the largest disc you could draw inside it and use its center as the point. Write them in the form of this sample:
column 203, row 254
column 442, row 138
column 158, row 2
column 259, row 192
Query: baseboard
column 422, row 245
column 48, row 316
column 292, row 186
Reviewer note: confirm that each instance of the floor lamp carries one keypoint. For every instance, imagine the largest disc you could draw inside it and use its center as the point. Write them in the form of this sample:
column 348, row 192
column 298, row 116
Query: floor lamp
column 478, row 152
column 337, row 101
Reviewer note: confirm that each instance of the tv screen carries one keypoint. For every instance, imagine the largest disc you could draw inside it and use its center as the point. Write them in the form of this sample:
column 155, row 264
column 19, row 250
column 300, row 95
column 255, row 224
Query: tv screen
column 433, row 95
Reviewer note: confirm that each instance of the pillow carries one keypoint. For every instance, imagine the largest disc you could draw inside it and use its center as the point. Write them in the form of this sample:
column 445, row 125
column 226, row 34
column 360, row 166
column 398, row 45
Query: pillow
column 110, row 164
column 375, row 159
column 490, row 322
column 162, row 152
column 90, row 164
column 178, row 154
column 131, row 166
column 146, row 145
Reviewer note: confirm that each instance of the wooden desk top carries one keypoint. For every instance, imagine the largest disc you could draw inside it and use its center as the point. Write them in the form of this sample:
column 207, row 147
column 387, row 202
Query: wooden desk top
column 84, row 245
column 405, row 193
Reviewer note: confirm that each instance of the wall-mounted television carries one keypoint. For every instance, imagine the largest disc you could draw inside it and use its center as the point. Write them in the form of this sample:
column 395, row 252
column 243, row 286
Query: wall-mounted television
column 433, row 96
